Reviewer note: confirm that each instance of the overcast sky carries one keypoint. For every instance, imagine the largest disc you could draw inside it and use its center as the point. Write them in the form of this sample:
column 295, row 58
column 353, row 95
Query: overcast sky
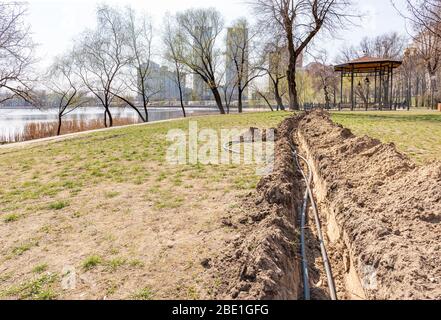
column 55, row 23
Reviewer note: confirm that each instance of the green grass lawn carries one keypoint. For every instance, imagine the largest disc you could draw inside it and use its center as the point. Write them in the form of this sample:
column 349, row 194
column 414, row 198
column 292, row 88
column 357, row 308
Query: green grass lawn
column 110, row 206
column 124, row 155
column 416, row 133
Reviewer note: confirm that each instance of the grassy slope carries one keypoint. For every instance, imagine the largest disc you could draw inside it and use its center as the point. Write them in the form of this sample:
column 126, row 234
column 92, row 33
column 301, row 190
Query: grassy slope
column 75, row 202
column 58, row 171
column 416, row 133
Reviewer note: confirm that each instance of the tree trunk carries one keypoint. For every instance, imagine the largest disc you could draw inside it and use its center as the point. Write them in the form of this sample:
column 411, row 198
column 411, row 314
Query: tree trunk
column 133, row 106
column 432, row 92
column 266, row 100
column 218, row 99
column 327, row 98
column 59, row 125
column 181, row 99
column 110, row 118
column 292, row 88
column 105, row 118
column 291, row 73
column 107, row 114
column 239, row 100
column 278, row 98
column 181, row 95
column 146, row 111
column 417, row 92
column 145, row 103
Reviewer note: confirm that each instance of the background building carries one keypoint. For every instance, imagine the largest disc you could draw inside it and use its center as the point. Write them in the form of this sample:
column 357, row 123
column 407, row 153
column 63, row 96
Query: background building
column 201, row 91
column 162, row 83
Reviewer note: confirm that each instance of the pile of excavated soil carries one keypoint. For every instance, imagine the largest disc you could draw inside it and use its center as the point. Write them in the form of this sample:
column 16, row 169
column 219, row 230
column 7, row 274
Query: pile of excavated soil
column 381, row 215
column 263, row 262
column 381, row 210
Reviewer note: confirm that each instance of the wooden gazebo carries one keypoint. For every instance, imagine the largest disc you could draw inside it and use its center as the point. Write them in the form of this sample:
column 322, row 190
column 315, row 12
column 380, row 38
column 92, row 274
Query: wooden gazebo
column 369, row 67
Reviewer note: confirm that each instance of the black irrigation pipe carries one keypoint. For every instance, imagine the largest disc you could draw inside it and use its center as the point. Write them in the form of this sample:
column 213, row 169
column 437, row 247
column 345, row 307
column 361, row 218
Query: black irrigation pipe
column 326, row 263
column 304, row 208
column 308, row 195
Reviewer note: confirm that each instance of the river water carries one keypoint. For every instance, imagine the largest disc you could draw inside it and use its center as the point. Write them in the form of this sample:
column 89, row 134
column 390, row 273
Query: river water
column 13, row 121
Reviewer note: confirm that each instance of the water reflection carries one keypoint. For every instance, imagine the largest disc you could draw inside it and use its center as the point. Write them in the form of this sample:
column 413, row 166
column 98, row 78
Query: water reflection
column 13, row 121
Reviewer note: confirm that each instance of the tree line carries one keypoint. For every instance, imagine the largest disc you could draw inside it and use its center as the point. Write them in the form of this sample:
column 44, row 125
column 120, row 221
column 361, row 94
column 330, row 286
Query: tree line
column 416, row 82
column 112, row 63
column 422, row 59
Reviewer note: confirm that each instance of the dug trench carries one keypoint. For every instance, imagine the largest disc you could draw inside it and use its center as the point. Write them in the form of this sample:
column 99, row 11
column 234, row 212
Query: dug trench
column 380, row 215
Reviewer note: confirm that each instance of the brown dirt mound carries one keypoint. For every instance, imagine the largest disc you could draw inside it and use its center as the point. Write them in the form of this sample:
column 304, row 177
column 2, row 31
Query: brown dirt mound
column 381, row 206
column 263, row 263
column 381, row 214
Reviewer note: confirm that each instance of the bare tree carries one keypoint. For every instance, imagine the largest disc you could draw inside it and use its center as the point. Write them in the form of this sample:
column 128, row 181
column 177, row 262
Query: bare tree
column 388, row 46
column 425, row 20
column 228, row 89
column 101, row 55
column 199, row 30
column 411, row 75
column 300, row 21
column 263, row 96
column 240, row 67
column 136, row 74
column 428, row 47
column 423, row 14
column 174, row 47
column 324, row 76
column 16, row 52
column 273, row 62
column 66, row 88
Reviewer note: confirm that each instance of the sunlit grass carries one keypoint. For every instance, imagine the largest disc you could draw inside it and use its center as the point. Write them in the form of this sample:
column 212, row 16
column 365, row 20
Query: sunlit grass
column 123, row 155
column 63, row 182
column 416, row 133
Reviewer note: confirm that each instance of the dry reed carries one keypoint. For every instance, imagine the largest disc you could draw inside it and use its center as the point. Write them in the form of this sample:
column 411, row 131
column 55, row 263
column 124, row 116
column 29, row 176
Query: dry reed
column 38, row 130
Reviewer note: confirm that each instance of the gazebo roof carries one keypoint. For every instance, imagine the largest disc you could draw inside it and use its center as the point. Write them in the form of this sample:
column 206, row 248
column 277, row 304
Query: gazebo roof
column 367, row 64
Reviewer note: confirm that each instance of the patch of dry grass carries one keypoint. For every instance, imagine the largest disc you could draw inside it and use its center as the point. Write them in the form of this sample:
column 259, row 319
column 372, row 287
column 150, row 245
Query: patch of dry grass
column 108, row 206
column 38, row 130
